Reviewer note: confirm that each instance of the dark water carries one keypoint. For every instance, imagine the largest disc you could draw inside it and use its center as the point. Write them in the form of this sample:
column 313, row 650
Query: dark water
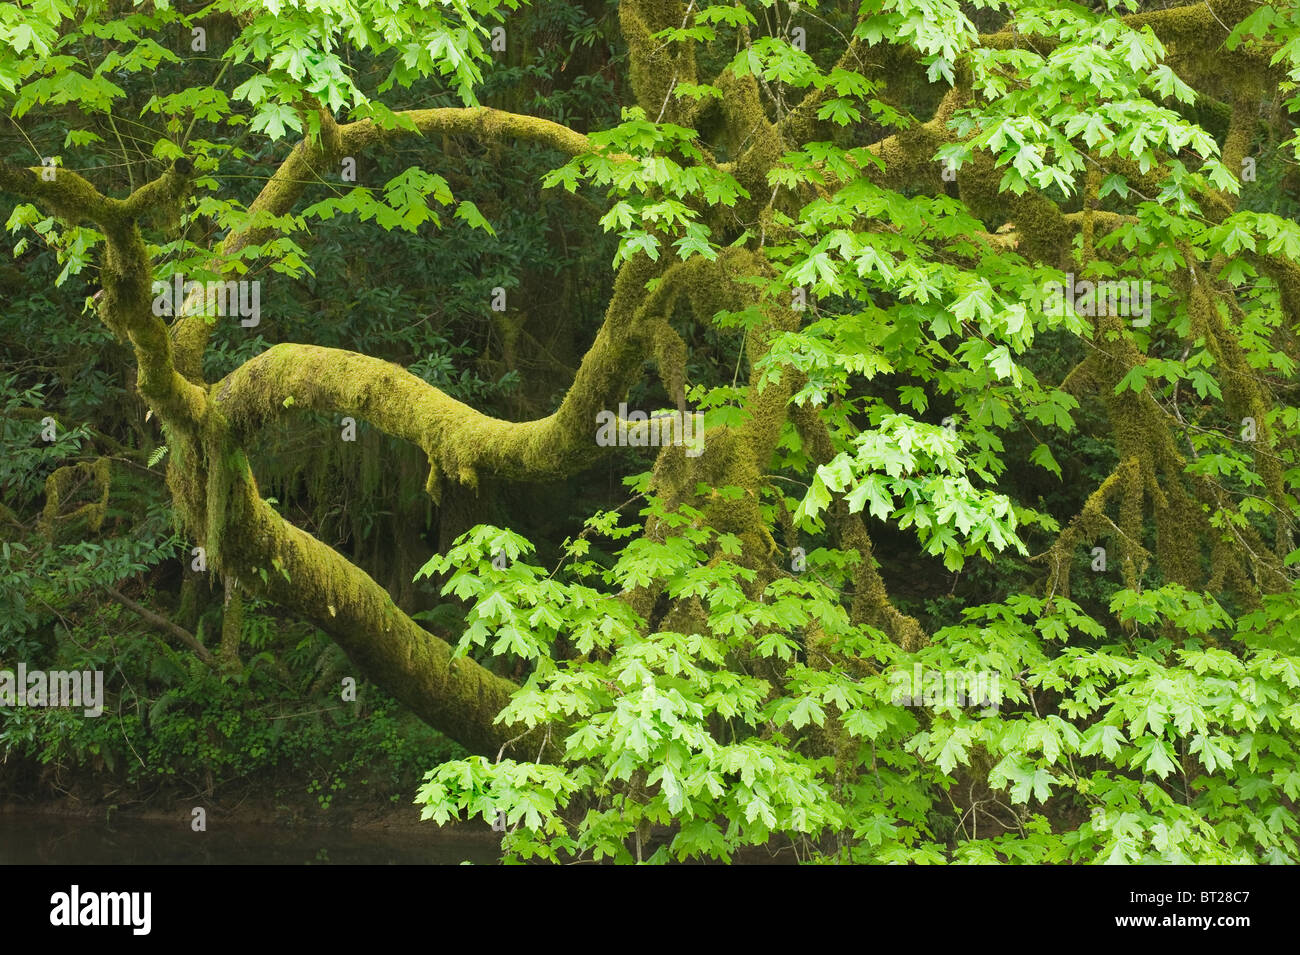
column 28, row 840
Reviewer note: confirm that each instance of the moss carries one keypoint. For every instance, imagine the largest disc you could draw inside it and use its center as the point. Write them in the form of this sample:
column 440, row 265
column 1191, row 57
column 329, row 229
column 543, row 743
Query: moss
column 1241, row 123
column 232, row 624
column 1044, row 232
column 189, row 606
column 225, row 466
column 459, row 441
column 1243, row 391
column 65, row 194
column 871, row 603
column 1178, row 552
column 1193, row 34
column 1092, row 189
column 1152, row 478
column 458, row 697
column 1080, row 379
column 187, row 482
column 66, row 481
column 1089, row 525
column 655, row 65
column 977, row 186
column 508, row 326
column 670, row 356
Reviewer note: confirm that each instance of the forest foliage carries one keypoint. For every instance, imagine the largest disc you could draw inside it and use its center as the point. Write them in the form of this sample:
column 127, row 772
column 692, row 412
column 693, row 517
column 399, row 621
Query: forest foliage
column 988, row 309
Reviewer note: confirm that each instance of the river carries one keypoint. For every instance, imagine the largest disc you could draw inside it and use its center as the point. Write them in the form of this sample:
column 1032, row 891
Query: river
column 63, row 840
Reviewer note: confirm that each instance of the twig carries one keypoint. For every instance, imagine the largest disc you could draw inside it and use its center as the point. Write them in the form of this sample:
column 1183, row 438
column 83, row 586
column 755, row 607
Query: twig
column 161, row 623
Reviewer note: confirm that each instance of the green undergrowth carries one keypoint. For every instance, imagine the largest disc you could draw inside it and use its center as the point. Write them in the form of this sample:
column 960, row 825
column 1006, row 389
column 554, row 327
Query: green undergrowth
column 275, row 727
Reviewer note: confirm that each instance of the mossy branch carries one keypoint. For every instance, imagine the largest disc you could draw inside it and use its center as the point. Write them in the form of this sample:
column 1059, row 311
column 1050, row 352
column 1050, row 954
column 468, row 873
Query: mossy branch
column 56, row 190
column 656, row 66
column 1090, row 520
column 1193, row 33
column 456, row 696
column 461, row 442
column 309, row 161
column 871, row 603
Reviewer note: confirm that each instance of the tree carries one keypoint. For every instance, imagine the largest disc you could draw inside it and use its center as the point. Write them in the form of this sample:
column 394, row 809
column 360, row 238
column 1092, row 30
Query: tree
column 909, row 216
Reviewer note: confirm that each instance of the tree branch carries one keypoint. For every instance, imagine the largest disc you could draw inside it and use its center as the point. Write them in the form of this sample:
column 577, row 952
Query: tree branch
column 461, row 442
column 162, row 624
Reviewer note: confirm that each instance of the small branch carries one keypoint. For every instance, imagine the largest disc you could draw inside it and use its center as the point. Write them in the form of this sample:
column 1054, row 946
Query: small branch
column 161, row 623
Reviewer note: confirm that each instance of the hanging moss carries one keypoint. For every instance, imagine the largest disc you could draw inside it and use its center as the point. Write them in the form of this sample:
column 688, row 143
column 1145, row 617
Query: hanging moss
column 1177, row 550
column 670, row 356
column 1243, row 391
column 226, row 469
column 1089, row 525
column 60, row 487
column 871, row 604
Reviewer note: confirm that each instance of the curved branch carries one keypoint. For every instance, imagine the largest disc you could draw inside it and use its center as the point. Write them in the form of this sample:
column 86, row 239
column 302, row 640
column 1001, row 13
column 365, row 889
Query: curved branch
column 303, row 166
column 485, row 124
column 460, row 441
column 454, row 695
